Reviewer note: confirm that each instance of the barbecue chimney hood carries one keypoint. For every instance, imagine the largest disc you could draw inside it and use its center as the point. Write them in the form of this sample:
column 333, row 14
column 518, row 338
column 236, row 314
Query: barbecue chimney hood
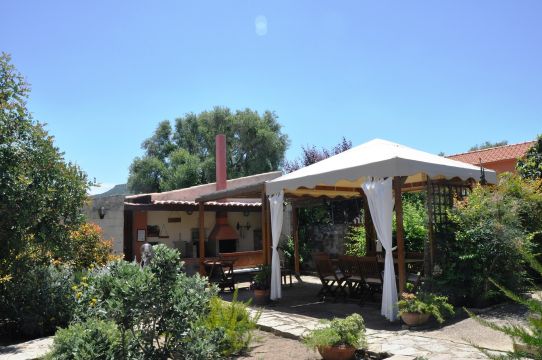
column 225, row 235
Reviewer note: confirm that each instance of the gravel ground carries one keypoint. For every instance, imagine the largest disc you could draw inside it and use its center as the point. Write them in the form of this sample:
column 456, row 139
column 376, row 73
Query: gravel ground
column 269, row 346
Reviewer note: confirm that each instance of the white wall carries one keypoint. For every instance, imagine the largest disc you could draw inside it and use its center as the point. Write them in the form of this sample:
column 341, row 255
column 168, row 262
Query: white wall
column 182, row 232
column 113, row 222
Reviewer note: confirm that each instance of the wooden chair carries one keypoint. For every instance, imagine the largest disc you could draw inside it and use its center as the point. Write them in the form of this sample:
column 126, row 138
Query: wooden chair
column 332, row 282
column 353, row 277
column 371, row 273
column 285, row 270
column 221, row 273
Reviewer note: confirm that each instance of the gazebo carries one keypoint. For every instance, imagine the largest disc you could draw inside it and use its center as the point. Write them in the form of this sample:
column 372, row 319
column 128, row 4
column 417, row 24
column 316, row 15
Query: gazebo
column 378, row 170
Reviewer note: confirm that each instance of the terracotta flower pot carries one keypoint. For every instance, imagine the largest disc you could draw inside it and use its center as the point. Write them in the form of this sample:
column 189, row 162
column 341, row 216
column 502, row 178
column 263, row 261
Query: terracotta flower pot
column 415, row 319
column 261, row 297
column 341, row 352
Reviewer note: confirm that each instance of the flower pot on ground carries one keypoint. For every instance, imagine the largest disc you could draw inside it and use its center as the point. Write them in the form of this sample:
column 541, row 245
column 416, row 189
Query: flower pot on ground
column 339, row 338
column 416, row 309
column 261, row 285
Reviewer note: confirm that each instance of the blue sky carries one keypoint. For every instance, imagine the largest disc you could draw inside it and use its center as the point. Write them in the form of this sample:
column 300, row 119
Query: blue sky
column 434, row 75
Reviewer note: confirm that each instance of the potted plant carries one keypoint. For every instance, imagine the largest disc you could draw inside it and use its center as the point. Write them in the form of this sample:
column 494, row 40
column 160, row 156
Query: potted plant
column 416, row 309
column 261, row 285
column 339, row 338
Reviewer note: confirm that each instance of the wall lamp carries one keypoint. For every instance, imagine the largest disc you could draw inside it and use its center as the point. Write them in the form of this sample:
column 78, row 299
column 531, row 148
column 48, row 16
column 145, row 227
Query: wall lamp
column 101, row 212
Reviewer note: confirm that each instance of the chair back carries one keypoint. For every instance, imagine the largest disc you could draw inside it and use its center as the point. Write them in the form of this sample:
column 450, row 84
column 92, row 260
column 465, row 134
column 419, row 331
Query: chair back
column 349, row 265
column 324, row 267
column 369, row 267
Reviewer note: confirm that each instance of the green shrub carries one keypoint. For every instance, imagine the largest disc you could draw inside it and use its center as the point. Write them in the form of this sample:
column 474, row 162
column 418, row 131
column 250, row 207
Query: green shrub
column 426, row 303
column 529, row 335
column 37, row 300
column 262, row 279
column 235, row 323
column 157, row 308
column 355, row 241
column 490, row 226
column 414, row 221
column 349, row 331
column 93, row 339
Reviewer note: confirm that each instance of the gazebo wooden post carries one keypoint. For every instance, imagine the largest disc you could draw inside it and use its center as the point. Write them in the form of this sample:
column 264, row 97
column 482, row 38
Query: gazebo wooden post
column 263, row 220
column 397, row 184
column 295, row 231
column 370, row 244
column 201, row 212
column 429, row 248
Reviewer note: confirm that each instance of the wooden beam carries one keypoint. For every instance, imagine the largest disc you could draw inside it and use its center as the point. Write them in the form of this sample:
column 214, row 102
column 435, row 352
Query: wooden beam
column 201, row 213
column 268, row 230
column 295, row 231
column 397, row 183
column 429, row 247
column 264, row 229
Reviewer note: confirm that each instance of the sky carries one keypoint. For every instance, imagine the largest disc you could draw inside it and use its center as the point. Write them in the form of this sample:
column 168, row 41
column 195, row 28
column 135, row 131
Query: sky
column 439, row 76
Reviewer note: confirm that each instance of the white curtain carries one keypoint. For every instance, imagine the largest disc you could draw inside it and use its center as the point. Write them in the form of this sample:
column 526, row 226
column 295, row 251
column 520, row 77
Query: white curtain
column 380, row 198
column 276, row 204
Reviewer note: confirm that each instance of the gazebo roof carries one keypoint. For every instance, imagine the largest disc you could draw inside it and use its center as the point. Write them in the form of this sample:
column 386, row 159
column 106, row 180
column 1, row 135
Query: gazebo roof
column 376, row 158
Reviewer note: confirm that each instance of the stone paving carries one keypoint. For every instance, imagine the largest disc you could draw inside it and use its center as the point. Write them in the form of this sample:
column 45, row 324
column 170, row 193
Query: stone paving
column 402, row 344
column 29, row 350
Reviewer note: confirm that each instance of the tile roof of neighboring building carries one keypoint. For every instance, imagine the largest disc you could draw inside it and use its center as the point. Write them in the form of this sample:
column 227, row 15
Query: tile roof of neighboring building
column 490, row 155
column 244, row 203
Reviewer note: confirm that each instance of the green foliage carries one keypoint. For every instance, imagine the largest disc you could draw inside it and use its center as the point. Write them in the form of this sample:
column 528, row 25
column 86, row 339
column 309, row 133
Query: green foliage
column 41, row 197
column 529, row 335
column 488, row 144
column 530, row 166
column 39, row 302
column 349, row 331
column 414, row 221
column 92, row 339
column 355, row 241
column 491, row 225
column 262, row 279
column 234, row 322
column 90, row 249
column 156, row 307
column 426, row 303
column 185, row 156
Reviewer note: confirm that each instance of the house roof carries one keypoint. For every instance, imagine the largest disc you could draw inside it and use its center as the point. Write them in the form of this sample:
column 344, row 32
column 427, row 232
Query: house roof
column 490, row 155
column 193, row 192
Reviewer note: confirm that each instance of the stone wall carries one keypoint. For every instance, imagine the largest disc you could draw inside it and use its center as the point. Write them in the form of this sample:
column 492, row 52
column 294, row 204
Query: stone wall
column 329, row 238
column 113, row 222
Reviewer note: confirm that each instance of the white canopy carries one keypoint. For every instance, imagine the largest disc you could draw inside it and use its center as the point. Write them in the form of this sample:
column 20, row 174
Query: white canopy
column 376, row 158
column 371, row 165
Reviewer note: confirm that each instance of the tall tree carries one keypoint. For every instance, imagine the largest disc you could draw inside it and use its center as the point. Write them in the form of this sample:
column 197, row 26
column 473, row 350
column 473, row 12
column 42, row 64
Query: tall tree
column 311, row 155
column 530, row 166
column 185, row 156
column 41, row 195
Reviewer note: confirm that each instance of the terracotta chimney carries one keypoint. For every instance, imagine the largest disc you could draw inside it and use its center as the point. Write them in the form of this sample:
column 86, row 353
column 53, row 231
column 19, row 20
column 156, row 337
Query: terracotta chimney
column 222, row 232
column 221, row 175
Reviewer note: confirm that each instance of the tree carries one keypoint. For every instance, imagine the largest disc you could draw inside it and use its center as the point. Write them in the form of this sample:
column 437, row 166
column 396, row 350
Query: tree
column 312, row 155
column 41, row 195
column 185, row 156
column 488, row 144
column 530, row 166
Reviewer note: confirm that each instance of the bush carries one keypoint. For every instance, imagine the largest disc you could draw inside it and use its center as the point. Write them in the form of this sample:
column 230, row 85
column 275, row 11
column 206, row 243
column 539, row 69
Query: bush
column 426, row 303
column 92, row 339
column 90, row 247
column 37, row 301
column 234, row 321
column 349, row 331
column 490, row 227
column 529, row 337
column 355, row 241
column 156, row 308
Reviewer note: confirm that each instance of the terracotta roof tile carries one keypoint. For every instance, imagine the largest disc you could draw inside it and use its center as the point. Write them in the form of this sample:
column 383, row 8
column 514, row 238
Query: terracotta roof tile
column 490, row 155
